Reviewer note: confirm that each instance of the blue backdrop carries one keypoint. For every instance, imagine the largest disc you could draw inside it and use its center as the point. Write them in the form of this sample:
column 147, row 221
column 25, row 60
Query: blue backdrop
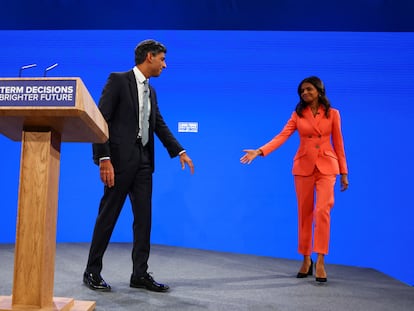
column 240, row 86
column 317, row 15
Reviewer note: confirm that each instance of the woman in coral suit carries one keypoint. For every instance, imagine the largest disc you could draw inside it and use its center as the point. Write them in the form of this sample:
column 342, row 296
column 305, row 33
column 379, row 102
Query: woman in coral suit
column 319, row 159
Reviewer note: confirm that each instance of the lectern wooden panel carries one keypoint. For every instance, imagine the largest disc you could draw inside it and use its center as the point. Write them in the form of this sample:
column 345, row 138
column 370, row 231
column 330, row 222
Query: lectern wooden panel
column 28, row 103
column 43, row 112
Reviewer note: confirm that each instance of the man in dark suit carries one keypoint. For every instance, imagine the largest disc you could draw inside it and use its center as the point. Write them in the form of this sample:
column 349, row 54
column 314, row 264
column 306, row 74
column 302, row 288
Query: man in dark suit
column 126, row 162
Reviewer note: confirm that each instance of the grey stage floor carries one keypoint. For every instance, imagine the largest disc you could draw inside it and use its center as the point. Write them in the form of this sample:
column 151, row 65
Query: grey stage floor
column 206, row 280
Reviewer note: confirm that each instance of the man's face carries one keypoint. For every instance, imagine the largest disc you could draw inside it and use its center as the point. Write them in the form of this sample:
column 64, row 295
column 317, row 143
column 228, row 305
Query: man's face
column 156, row 63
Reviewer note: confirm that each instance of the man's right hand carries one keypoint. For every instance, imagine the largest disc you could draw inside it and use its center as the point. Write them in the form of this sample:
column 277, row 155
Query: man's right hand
column 107, row 173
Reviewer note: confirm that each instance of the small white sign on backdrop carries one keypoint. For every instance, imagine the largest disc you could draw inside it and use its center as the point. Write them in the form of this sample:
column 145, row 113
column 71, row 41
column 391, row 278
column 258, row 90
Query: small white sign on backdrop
column 188, row 127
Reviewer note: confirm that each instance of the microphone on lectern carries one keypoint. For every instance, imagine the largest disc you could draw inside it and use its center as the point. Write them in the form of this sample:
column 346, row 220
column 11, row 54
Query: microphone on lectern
column 49, row 68
column 25, row 67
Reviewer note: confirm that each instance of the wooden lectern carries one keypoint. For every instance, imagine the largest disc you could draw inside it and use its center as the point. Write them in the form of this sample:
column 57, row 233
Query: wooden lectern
column 43, row 112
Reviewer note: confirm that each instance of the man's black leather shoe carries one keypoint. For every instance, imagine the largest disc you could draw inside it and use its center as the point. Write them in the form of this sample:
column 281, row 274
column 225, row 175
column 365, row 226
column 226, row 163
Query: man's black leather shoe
column 148, row 283
column 96, row 282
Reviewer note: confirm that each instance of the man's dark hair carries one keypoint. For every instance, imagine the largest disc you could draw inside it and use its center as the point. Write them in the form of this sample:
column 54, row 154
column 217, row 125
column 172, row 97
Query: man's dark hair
column 148, row 46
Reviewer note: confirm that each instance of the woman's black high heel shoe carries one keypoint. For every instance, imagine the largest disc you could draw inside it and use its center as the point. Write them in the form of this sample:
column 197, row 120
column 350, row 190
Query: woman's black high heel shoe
column 319, row 279
column 301, row 275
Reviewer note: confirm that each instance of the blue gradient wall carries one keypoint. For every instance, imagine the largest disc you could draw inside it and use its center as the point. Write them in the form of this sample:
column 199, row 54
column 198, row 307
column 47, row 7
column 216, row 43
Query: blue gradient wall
column 241, row 88
column 317, row 15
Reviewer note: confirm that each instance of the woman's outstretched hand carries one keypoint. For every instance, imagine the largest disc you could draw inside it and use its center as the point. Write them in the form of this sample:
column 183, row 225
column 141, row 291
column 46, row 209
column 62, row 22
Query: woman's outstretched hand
column 250, row 155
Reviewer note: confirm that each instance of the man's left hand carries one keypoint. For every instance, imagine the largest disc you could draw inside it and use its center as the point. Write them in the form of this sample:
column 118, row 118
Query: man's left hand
column 185, row 159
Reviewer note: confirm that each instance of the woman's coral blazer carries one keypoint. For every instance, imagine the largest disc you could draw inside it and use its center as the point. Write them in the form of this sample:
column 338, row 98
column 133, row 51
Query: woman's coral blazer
column 321, row 143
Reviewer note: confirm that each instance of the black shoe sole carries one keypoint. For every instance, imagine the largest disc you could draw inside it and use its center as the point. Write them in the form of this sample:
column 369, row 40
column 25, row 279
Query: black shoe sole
column 103, row 289
column 163, row 290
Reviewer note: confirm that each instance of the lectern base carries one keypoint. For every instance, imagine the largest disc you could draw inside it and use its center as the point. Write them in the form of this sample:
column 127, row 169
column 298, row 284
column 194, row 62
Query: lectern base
column 59, row 304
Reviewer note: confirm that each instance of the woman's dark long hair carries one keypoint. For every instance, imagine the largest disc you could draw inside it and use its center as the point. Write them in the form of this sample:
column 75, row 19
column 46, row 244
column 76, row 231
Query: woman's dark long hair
column 323, row 100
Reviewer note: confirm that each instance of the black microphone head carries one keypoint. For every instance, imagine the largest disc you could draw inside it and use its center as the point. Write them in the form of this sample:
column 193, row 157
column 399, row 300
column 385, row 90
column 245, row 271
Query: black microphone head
column 26, row 67
column 49, row 68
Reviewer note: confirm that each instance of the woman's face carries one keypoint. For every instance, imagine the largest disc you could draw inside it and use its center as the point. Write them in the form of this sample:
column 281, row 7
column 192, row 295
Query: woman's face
column 309, row 93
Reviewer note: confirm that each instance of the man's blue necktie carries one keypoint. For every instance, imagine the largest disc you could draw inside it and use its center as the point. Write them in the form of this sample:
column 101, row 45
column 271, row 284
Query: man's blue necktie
column 145, row 114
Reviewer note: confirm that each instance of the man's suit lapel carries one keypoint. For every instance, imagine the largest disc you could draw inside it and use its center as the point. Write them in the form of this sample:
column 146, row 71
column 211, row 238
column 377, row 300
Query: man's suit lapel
column 153, row 105
column 134, row 91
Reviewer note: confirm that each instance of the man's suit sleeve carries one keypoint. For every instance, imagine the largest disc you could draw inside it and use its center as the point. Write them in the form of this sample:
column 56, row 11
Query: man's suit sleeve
column 164, row 134
column 106, row 106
